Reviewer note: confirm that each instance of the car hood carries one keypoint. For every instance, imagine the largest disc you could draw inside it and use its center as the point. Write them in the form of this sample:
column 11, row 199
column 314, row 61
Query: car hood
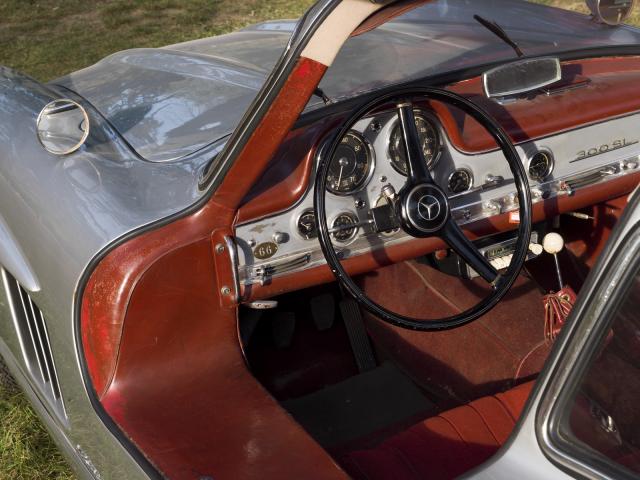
column 170, row 102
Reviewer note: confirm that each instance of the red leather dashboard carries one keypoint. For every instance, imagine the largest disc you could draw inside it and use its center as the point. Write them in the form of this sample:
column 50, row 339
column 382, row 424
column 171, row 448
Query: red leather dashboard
column 611, row 91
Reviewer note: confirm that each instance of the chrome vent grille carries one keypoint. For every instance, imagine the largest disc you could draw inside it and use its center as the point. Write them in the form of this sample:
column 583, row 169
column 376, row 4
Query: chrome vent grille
column 32, row 332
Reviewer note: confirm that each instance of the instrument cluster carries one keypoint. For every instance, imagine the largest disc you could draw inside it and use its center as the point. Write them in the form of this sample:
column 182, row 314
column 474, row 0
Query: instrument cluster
column 353, row 163
column 371, row 161
column 369, row 166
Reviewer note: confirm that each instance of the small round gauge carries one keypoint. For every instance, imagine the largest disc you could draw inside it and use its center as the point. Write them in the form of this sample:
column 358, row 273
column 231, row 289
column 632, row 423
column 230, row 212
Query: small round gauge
column 541, row 165
column 307, row 225
column 460, row 181
column 429, row 139
column 351, row 165
column 344, row 227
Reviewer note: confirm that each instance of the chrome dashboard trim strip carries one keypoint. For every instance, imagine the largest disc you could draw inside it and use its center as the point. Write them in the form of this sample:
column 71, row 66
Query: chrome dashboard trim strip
column 491, row 199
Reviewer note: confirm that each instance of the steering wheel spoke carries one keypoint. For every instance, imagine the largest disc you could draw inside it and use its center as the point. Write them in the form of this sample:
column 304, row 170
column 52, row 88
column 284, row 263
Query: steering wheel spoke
column 417, row 169
column 453, row 235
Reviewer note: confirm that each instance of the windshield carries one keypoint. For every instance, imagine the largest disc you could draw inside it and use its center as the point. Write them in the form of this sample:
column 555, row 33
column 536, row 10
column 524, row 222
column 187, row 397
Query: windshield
column 442, row 36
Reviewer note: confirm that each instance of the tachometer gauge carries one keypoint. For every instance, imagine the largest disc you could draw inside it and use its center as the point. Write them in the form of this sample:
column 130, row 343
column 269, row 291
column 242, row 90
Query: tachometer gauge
column 351, row 165
column 429, row 140
column 460, row 181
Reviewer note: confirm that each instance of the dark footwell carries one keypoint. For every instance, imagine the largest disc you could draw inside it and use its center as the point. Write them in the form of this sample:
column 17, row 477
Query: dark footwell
column 360, row 406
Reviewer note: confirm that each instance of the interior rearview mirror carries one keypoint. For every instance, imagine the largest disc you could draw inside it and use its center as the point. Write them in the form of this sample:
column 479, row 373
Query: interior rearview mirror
column 521, row 76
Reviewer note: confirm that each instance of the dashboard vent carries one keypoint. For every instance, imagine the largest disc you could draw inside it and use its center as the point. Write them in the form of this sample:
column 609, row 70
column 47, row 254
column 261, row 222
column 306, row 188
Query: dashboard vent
column 32, row 333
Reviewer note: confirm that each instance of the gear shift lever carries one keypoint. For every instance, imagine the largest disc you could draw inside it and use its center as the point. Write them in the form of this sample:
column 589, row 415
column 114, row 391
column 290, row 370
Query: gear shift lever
column 553, row 243
column 557, row 306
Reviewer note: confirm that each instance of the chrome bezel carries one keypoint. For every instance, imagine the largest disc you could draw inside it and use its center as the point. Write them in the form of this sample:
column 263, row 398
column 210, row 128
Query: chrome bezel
column 517, row 91
column 85, row 132
column 596, row 12
column 552, row 164
column 461, row 169
column 372, row 166
column 427, row 117
column 297, row 221
column 356, row 228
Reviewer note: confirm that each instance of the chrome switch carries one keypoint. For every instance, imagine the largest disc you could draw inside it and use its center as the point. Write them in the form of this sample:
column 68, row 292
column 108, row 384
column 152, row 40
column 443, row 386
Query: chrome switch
column 280, row 237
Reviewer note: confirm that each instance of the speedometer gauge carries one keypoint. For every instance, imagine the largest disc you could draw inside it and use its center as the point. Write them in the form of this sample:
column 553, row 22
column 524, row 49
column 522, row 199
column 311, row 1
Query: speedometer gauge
column 429, row 140
column 351, row 165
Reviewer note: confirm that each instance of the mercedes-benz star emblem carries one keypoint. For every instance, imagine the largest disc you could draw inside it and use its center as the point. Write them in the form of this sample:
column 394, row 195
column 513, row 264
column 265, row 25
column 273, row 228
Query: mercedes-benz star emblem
column 428, row 207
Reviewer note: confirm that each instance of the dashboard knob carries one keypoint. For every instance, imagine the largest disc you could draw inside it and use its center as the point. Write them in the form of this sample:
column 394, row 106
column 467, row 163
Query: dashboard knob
column 389, row 192
column 511, row 201
column 280, row 237
column 535, row 248
column 553, row 243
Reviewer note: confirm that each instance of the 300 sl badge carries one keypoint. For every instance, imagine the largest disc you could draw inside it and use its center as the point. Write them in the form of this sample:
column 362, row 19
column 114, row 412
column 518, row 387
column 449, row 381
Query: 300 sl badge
column 265, row 250
column 607, row 147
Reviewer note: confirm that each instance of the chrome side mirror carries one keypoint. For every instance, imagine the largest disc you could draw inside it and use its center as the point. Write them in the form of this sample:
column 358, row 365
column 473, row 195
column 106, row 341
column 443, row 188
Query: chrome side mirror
column 611, row 12
column 521, row 76
column 62, row 126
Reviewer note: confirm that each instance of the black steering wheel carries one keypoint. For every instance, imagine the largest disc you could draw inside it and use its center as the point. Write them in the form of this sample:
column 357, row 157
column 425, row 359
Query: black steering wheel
column 421, row 208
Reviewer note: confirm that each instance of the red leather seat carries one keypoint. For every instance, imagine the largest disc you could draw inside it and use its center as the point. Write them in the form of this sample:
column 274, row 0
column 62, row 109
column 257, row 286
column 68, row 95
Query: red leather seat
column 445, row 446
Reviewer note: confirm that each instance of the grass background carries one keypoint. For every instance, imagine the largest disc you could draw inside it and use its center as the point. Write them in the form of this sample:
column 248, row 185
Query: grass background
column 48, row 38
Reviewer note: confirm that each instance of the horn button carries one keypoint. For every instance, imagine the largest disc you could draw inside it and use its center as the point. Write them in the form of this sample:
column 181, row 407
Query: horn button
column 425, row 210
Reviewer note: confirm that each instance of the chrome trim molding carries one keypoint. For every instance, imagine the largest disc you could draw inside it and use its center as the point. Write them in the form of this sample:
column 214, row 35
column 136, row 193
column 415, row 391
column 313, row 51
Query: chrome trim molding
column 233, row 257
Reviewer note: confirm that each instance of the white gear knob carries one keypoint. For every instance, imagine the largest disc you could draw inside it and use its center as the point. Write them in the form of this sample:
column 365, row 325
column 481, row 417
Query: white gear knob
column 553, row 243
